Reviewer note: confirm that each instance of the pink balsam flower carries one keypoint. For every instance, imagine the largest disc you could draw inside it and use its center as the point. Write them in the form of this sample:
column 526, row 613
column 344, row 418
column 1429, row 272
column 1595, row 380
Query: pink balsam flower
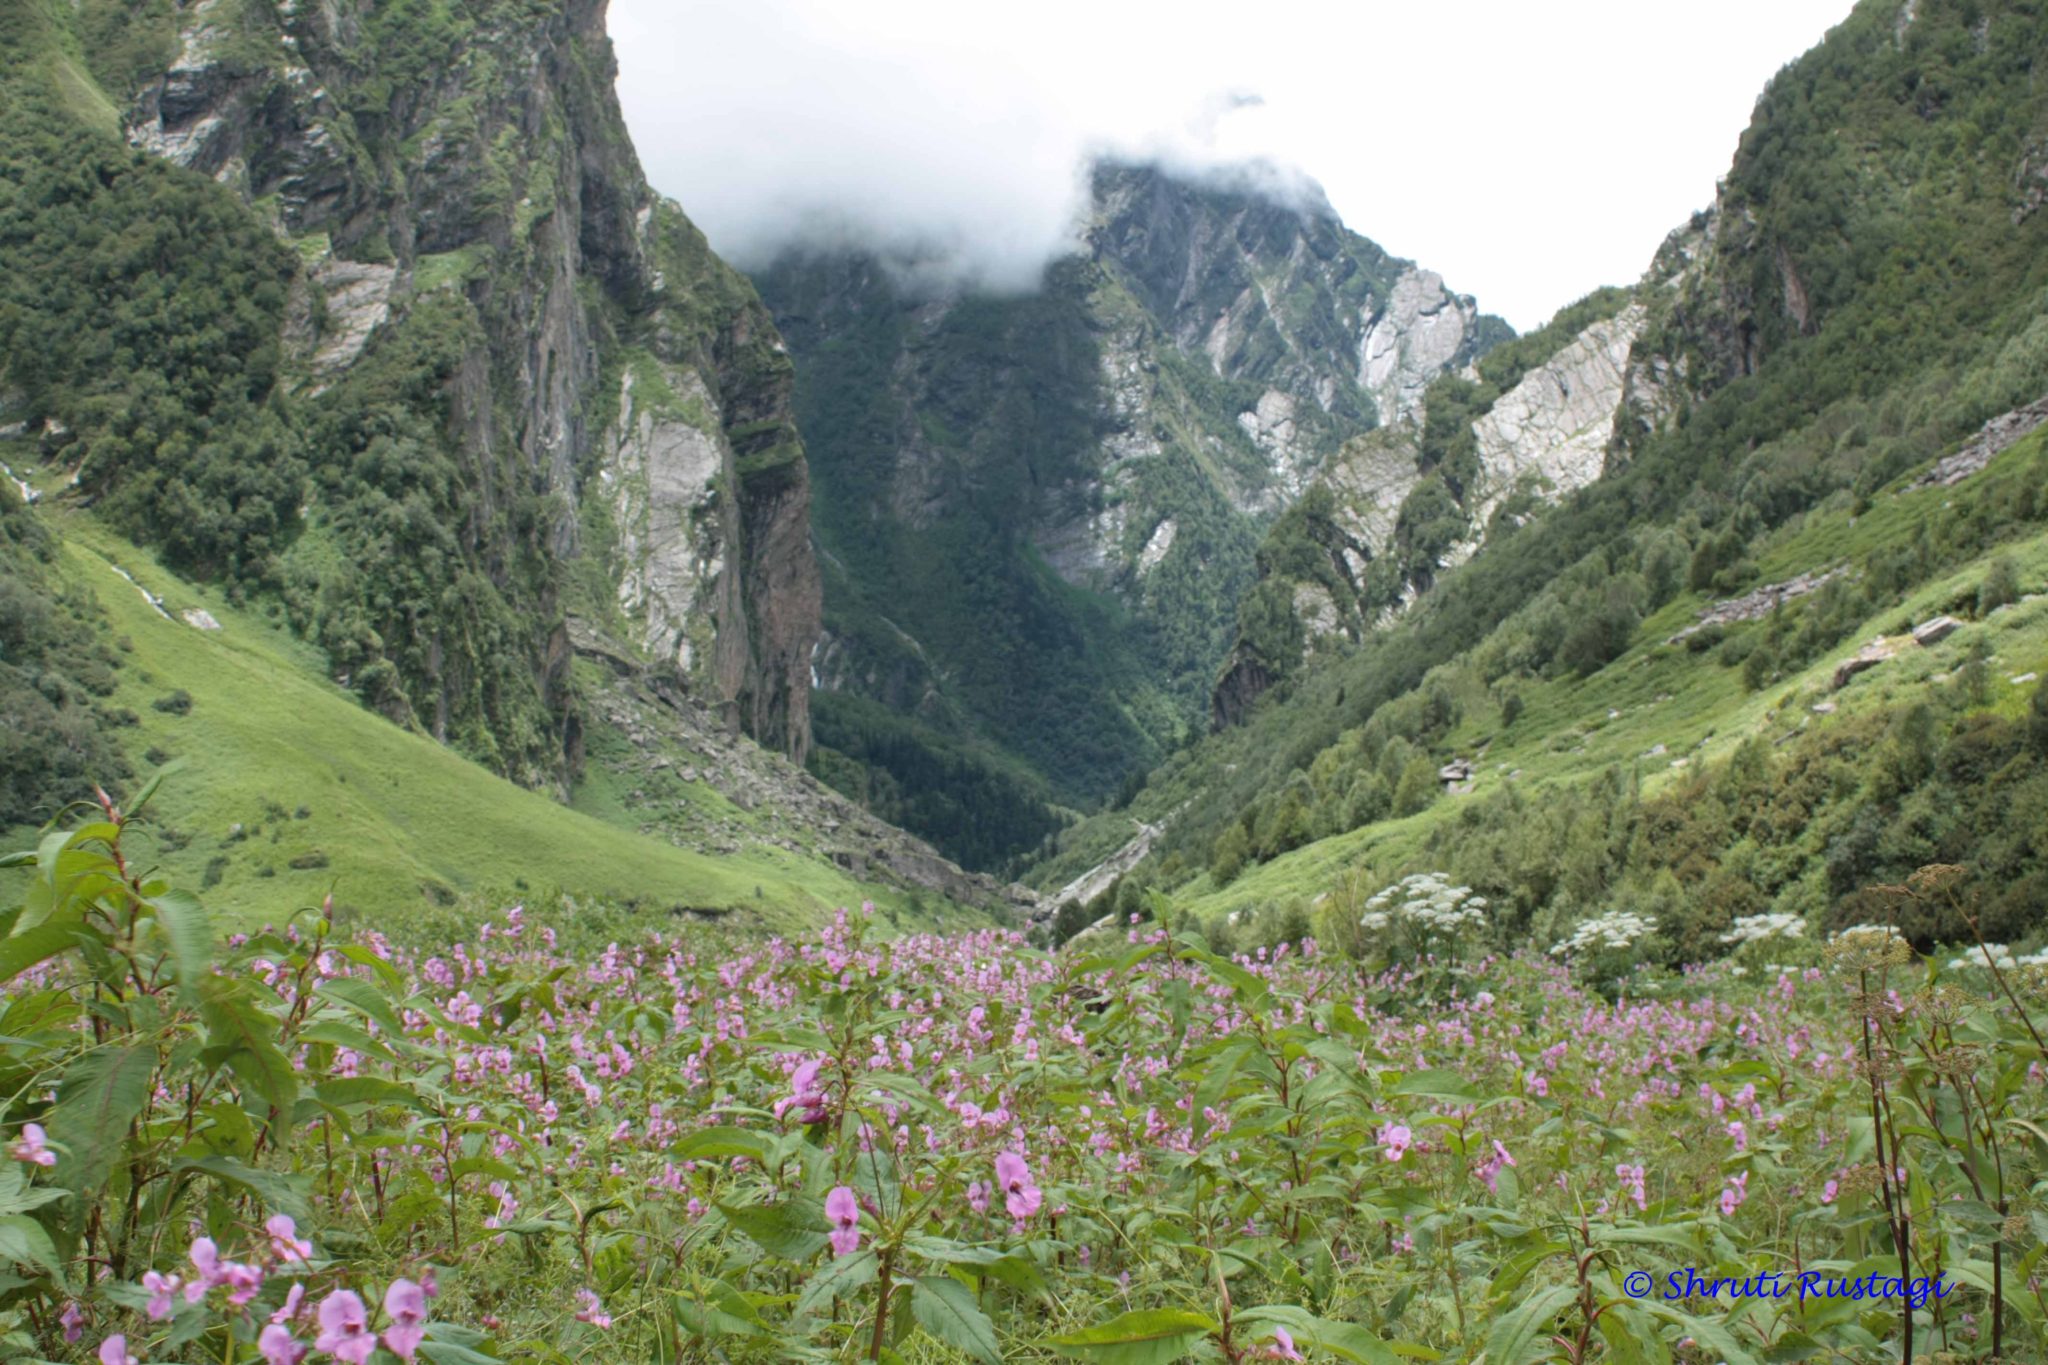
column 114, row 1351
column 592, row 1311
column 1020, row 1196
column 31, row 1148
column 1281, row 1347
column 842, row 1207
column 406, row 1302
column 1396, row 1139
column 276, row 1344
column 162, row 1289
column 345, row 1328
column 285, row 1242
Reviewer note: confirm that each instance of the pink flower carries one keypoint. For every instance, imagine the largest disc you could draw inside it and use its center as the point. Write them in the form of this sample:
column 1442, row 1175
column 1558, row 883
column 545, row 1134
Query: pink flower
column 1828, row 1192
column 345, row 1328
column 1733, row 1196
column 1020, row 1196
column 114, row 1351
column 161, row 1289
column 844, row 1210
column 1396, row 1138
column 73, row 1319
column 31, row 1149
column 592, row 1311
column 285, row 1241
column 1633, row 1179
column 244, row 1282
column 289, row 1309
column 206, row 1260
column 1281, row 1347
column 804, row 1093
column 406, row 1302
column 277, row 1346
column 1502, row 1153
column 977, row 1197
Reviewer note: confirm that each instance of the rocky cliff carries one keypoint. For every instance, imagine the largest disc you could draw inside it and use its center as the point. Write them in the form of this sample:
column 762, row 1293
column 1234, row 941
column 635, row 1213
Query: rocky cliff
column 1529, row 424
column 1039, row 511
column 596, row 384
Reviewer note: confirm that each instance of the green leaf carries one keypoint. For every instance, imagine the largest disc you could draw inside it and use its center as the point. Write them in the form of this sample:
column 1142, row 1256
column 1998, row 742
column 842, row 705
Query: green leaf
column 18, row 1196
column 1217, row 1076
column 1146, row 1336
column 1707, row 1331
column 244, row 1034
column 364, row 998
column 185, row 924
column 1437, row 1085
column 450, row 1353
column 344, row 1091
column 702, row 1143
column 1681, row 1235
column 944, row 1308
column 779, row 1229
column 156, row 780
column 1346, row 1340
column 1517, row 1330
column 25, row 949
column 99, row 1098
column 838, row 1278
column 283, row 1193
column 24, row 1241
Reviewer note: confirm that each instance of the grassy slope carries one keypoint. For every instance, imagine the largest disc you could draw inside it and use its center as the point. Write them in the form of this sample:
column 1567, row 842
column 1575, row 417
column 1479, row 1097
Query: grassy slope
column 1688, row 703
column 401, row 820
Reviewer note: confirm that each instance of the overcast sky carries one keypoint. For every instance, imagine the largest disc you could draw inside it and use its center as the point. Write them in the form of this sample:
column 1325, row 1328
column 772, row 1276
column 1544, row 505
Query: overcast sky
column 1528, row 152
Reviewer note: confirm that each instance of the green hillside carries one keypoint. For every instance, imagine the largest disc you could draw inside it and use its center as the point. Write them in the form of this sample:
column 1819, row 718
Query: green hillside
column 1866, row 293
column 1574, row 781
column 285, row 787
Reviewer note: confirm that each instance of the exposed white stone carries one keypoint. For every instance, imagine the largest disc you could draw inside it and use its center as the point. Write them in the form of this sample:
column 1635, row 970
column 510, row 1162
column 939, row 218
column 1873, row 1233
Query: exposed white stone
column 1317, row 612
column 662, row 478
column 1156, row 547
column 1556, row 423
column 1272, row 428
column 199, row 618
column 1411, row 341
column 358, row 301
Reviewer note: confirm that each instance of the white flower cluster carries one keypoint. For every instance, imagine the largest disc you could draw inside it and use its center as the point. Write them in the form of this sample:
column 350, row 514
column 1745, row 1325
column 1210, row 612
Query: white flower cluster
column 1426, row 900
column 1615, row 929
column 2001, row 955
column 1870, row 934
column 1757, row 928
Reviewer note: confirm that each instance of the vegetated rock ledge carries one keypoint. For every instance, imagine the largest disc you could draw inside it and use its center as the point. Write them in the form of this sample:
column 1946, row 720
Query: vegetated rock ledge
column 1759, row 603
column 1991, row 440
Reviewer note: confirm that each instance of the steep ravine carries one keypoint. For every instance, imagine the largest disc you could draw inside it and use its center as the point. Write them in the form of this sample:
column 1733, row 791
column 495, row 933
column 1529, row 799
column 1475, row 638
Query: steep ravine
column 1039, row 511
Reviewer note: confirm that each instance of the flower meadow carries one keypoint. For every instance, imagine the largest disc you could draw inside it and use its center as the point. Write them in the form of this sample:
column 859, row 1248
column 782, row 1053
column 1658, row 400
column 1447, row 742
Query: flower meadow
column 289, row 1146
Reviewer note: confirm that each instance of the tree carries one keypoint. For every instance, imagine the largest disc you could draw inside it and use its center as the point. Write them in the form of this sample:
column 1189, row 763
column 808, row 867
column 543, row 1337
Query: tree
column 1417, row 787
column 1227, row 858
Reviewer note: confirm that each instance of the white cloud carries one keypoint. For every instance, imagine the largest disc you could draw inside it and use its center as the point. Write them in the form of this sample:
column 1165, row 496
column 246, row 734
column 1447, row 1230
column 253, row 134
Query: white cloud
column 1528, row 152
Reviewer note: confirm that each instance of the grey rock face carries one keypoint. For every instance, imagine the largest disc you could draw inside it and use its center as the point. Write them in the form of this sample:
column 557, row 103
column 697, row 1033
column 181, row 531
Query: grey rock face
column 1422, row 331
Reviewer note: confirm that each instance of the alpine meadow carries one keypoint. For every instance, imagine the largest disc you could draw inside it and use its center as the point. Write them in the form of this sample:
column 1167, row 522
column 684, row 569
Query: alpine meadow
column 566, row 797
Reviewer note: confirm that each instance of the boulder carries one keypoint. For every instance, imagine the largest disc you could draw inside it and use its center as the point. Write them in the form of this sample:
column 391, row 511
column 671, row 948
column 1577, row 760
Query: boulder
column 1935, row 631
